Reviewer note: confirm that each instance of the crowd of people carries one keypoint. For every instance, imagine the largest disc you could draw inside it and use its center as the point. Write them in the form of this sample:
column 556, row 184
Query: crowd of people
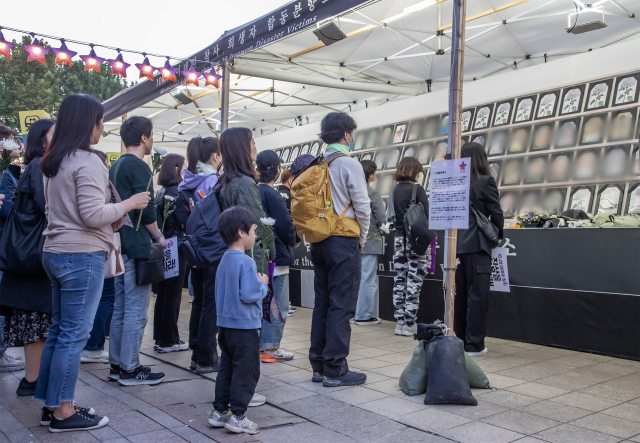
column 98, row 225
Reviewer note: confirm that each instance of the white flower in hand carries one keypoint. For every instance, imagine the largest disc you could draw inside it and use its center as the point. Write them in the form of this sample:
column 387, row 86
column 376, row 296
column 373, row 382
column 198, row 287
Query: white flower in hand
column 9, row 145
column 169, row 198
column 268, row 221
column 160, row 151
column 385, row 227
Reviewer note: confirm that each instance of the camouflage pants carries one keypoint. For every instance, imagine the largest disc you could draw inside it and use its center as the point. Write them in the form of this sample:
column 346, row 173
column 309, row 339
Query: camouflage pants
column 410, row 271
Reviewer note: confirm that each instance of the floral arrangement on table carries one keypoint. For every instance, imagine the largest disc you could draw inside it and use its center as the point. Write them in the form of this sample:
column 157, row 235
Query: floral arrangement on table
column 531, row 217
column 384, row 229
column 157, row 159
column 8, row 146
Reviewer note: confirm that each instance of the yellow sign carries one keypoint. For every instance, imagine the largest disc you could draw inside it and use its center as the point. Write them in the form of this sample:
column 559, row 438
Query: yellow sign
column 27, row 118
column 112, row 156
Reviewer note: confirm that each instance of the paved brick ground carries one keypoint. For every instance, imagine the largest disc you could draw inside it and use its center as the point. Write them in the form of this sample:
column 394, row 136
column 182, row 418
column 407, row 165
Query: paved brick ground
column 540, row 394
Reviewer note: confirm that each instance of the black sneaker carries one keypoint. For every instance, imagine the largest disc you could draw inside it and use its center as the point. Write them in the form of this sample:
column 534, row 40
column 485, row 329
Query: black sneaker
column 207, row 369
column 194, row 361
column 348, row 379
column 317, row 377
column 371, row 321
column 80, row 421
column 26, row 389
column 45, row 420
column 114, row 373
column 140, row 376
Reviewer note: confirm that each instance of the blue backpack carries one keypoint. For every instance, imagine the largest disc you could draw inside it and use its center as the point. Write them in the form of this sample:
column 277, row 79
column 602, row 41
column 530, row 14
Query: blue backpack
column 203, row 245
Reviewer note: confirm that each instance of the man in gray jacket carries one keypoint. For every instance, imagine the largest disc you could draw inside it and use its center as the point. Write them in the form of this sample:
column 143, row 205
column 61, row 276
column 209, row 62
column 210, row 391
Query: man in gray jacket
column 370, row 252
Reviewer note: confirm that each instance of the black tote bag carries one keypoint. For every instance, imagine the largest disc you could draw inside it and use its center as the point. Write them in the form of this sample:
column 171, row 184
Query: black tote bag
column 21, row 240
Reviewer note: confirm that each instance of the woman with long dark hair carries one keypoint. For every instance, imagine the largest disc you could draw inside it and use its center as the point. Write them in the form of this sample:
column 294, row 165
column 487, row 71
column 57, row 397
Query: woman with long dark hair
column 167, row 308
column 474, row 253
column 26, row 300
column 79, row 235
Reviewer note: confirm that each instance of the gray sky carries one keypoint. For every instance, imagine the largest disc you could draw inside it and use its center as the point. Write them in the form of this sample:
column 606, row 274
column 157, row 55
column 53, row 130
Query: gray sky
column 177, row 28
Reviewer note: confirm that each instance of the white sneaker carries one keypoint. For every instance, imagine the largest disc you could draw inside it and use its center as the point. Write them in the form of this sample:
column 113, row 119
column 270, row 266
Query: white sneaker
column 276, row 356
column 241, row 425
column 399, row 328
column 352, row 321
column 181, row 346
column 191, row 299
column 475, row 354
column 257, row 400
column 218, row 420
column 94, row 356
column 10, row 364
column 408, row 331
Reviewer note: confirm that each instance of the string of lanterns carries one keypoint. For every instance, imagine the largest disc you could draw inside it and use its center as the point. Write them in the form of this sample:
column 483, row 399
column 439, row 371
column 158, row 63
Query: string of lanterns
column 36, row 52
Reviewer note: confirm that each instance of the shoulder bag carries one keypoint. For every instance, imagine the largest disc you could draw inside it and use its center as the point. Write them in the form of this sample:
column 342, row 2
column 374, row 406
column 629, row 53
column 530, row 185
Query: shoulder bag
column 416, row 225
column 151, row 270
column 487, row 228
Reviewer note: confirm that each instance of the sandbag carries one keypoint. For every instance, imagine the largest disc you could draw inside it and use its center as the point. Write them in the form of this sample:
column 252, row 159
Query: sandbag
column 477, row 377
column 447, row 379
column 413, row 380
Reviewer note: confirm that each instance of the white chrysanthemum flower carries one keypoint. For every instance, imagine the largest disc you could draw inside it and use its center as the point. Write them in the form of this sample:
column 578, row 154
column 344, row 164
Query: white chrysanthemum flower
column 268, row 221
column 9, row 145
column 160, row 151
column 385, row 227
column 169, row 198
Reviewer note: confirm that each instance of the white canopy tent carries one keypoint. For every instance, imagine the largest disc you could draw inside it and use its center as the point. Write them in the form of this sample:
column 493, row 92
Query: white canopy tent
column 393, row 49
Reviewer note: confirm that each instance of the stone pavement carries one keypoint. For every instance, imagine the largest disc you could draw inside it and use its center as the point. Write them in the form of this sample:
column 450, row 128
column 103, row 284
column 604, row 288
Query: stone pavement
column 540, row 394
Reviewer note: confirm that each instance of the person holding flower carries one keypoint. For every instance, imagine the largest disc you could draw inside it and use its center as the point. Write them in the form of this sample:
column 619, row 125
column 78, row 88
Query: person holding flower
column 167, row 307
column 372, row 248
column 130, row 175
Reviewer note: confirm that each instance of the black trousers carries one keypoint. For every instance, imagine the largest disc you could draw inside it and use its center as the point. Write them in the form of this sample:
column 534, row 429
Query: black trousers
column 337, row 269
column 203, row 322
column 472, row 299
column 167, row 308
column 239, row 369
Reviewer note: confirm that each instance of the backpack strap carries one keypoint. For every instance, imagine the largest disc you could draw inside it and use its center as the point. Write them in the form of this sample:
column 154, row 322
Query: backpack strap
column 349, row 206
column 337, row 156
column 414, row 194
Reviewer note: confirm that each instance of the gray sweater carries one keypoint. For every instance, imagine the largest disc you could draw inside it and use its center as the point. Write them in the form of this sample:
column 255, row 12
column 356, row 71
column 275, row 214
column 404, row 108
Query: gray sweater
column 349, row 186
column 378, row 217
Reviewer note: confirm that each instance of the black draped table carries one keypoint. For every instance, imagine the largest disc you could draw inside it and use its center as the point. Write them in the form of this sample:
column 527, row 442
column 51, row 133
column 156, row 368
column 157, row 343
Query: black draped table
column 575, row 288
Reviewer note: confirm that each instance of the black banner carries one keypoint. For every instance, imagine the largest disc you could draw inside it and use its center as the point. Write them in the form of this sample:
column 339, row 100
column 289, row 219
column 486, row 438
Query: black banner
column 281, row 23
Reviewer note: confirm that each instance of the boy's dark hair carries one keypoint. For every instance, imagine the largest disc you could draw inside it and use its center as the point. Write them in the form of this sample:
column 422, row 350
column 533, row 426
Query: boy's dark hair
column 235, row 219
column 369, row 167
column 134, row 128
column 408, row 168
column 334, row 125
column 6, row 132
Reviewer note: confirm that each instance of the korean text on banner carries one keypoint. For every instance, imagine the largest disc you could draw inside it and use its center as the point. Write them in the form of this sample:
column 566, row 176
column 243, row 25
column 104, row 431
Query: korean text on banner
column 449, row 199
column 171, row 265
column 499, row 270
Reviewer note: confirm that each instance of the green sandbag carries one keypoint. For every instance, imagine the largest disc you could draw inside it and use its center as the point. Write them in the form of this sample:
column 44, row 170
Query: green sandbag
column 413, row 380
column 477, row 378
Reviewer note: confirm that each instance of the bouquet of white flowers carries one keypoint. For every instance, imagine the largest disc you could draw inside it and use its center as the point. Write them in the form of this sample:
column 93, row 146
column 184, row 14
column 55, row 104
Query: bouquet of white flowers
column 8, row 146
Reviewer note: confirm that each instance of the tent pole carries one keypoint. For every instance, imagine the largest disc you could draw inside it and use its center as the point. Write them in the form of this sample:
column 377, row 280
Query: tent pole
column 224, row 99
column 455, row 141
column 122, row 148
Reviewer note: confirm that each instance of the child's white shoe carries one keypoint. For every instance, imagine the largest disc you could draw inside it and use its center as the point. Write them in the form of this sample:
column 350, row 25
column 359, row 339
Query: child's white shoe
column 218, row 420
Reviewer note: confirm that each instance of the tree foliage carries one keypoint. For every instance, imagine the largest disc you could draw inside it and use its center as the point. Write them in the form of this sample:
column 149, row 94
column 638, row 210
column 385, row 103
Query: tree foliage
column 32, row 85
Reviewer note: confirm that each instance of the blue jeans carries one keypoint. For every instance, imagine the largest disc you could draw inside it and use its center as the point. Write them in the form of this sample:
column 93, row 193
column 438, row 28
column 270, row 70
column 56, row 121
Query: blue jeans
column 190, row 286
column 102, row 321
column 2, row 348
column 368, row 287
column 76, row 282
column 272, row 332
column 129, row 318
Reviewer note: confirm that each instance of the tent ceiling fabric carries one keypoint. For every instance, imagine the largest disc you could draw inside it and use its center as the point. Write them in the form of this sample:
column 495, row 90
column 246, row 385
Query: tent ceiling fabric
column 533, row 29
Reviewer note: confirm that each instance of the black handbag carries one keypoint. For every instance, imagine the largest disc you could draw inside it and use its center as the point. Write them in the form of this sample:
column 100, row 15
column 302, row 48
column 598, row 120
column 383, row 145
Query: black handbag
column 150, row 270
column 21, row 240
column 488, row 229
column 416, row 226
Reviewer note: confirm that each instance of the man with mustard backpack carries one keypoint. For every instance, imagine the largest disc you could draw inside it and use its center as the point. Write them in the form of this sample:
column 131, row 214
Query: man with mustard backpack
column 330, row 206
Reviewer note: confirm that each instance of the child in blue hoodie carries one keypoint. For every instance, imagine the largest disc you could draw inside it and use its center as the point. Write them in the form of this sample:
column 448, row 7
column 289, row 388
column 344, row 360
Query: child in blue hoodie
column 239, row 293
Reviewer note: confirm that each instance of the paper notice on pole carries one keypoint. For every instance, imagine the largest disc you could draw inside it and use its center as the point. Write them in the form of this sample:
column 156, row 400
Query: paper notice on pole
column 499, row 270
column 170, row 252
column 449, row 198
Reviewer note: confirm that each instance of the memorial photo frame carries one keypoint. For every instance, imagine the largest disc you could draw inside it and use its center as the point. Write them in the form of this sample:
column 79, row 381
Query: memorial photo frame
column 623, row 125
column 509, row 203
column 467, row 119
column 495, row 168
column 512, row 172
column 503, row 112
column 426, row 182
column 530, row 199
column 415, row 130
column 356, row 157
column 295, row 152
column 431, row 127
column 535, row 169
column 553, row 200
column 385, row 135
column 633, row 199
column 392, row 158
column 609, row 200
column 498, row 142
column 626, row 90
column 371, row 140
column 586, row 164
column 635, row 160
column 379, row 159
column 543, row 137
column 524, row 109
column 560, row 167
column 361, row 137
column 315, row 147
column 410, row 151
column 286, row 152
column 278, row 153
column 572, row 100
column 305, row 148
column 424, row 153
column 480, row 138
column 519, row 139
column 483, row 117
column 443, row 128
column 593, row 129
column 367, row 156
column 567, row 133
column 399, row 133
column 547, row 104
column 440, row 150
column 599, row 95
column 615, row 162
column 581, row 198
column 386, row 183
